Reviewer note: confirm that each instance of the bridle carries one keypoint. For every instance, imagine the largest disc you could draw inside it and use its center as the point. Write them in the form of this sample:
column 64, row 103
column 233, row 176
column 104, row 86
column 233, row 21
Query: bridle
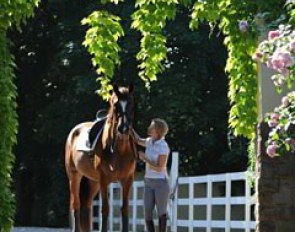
column 115, row 116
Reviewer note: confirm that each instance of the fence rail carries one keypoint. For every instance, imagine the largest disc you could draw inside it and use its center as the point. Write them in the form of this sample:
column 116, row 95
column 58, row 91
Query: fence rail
column 221, row 202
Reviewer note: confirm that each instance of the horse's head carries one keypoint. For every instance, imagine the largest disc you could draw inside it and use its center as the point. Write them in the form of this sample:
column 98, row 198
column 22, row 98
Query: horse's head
column 122, row 104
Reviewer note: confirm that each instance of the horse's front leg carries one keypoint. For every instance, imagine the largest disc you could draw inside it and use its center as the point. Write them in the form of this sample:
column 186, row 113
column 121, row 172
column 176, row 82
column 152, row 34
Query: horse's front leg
column 74, row 181
column 105, row 207
column 126, row 185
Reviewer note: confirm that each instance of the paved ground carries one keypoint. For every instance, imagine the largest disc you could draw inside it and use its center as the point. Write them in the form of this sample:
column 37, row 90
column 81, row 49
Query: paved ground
column 39, row 229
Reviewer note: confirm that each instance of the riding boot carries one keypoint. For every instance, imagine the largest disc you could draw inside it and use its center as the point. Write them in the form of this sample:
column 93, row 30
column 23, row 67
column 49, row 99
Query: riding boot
column 104, row 225
column 75, row 220
column 150, row 225
column 163, row 223
column 125, row 224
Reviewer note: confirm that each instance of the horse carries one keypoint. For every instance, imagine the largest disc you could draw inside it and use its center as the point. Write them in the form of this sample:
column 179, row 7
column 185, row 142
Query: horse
column 113, row 160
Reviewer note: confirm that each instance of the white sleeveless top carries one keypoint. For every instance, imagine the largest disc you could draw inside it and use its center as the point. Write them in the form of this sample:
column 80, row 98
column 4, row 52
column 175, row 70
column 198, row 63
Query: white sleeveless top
column 153, row 150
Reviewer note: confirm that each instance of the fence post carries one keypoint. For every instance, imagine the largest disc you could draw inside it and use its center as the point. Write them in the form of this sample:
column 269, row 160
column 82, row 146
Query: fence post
column 247, row 206
column 174, row 180
column 134, row 206
column 209, row 205
column 111, row 213
column 228, row 202
column 191, row 206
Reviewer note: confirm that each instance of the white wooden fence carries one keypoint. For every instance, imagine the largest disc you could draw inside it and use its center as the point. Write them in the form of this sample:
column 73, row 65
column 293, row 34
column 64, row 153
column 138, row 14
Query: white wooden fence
column 212, row 203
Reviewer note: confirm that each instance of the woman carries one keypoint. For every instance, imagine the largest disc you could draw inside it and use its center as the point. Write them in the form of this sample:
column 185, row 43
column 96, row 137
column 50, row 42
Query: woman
column 156, row 189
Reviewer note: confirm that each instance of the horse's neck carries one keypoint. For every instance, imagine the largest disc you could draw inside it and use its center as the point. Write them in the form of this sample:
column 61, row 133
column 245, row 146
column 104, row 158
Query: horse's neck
column 109, row 133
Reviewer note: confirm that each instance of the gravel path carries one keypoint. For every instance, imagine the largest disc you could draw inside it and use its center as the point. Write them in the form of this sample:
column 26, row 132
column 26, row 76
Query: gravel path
column 39, row 229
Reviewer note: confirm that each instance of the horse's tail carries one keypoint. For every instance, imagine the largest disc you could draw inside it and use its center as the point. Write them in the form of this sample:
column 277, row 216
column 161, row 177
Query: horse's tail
column 68, row 148
column 85, row 212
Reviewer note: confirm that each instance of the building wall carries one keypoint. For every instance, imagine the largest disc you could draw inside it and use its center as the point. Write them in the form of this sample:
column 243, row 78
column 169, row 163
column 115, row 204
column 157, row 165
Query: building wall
column 275, row 179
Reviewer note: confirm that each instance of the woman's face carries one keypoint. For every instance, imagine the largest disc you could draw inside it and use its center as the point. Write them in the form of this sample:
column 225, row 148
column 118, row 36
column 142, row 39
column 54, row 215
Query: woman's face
column 153, row 132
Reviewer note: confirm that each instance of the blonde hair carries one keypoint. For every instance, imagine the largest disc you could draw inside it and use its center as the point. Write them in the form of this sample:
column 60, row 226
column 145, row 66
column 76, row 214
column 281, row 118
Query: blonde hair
column 160, row 126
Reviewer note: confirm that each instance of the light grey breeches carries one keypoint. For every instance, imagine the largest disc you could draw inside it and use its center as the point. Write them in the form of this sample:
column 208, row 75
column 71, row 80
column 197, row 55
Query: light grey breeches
column 156, row 193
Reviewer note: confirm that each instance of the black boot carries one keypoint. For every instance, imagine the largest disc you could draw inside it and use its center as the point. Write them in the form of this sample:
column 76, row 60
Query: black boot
column 163, row 223
column 150, row 225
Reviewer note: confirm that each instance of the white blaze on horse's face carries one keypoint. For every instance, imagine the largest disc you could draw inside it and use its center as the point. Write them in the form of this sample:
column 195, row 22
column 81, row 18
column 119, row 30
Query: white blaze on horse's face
column 123, row 105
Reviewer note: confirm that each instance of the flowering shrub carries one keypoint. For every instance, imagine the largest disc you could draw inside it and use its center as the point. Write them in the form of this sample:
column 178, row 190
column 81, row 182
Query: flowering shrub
column 282, row 123
column 278, row 52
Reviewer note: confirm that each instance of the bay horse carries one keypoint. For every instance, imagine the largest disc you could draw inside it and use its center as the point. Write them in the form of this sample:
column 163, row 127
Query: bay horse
column 114, row 159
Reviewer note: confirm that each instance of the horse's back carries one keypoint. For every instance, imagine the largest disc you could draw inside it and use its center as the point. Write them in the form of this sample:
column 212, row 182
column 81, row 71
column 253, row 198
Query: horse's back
column 72, row 139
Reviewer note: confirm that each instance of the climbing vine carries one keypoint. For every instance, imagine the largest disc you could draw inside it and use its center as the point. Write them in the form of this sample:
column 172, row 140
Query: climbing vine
column 241, row 23
column 12, row 14
column 150, row 18
column 102, row 42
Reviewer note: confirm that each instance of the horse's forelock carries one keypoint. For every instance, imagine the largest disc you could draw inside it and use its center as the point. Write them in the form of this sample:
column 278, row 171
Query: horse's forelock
column 123, row 92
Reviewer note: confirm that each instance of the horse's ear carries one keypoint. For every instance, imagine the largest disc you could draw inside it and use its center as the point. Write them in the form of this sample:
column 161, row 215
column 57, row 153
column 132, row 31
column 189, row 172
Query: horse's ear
column 116, row 89
column 131, row 88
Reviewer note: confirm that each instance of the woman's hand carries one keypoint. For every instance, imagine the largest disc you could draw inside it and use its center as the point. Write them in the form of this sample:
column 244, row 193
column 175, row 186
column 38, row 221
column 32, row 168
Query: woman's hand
column 135, row 136
column 141, row 155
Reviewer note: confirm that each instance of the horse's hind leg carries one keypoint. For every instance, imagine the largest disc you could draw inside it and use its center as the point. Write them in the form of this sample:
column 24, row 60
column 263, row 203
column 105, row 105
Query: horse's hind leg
column 86, row 206
column 75, row 179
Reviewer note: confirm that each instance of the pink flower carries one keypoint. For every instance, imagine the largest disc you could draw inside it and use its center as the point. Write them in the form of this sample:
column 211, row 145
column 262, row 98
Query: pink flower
column 275, row 116
column 269, row 64
column 285, row 101
column 271, row 150
column 274, row 120
column 281, row 60
column 273, row 34
column 243, row 25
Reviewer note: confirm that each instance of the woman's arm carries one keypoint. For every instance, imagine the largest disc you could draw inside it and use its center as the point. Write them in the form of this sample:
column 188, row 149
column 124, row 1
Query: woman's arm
column 159, row 166
column 138, row 140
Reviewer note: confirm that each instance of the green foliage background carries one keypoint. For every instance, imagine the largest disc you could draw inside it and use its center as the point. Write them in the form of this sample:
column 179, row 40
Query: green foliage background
column 12, row 14
column 8, row 125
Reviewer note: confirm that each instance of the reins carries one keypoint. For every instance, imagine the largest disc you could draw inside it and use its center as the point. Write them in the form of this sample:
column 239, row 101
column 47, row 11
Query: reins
column 113, row 142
